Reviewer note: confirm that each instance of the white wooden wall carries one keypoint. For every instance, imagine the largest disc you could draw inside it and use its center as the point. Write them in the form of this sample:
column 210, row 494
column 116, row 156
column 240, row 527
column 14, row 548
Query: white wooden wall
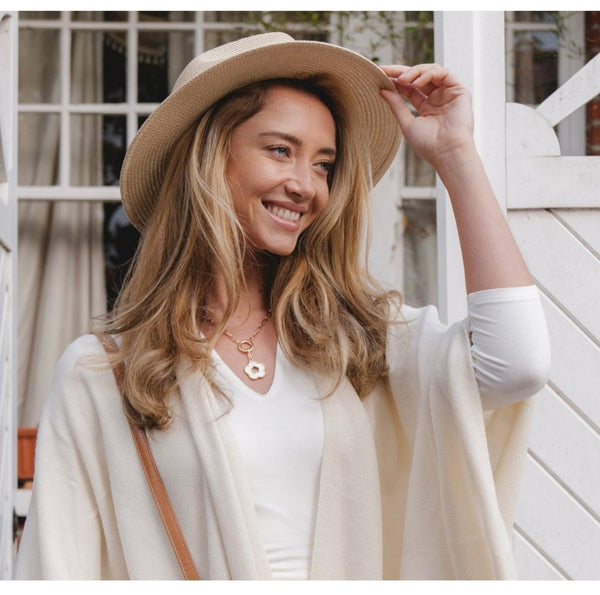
column 554, row 212
column 8, row 230
column 553, row 205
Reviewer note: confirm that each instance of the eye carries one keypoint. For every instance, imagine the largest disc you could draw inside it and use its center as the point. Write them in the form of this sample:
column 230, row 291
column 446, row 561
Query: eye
column 280, row 150
column 326, row 166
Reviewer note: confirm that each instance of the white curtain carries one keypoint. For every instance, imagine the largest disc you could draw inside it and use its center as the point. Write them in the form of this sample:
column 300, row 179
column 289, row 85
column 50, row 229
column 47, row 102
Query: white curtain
column 61, row 263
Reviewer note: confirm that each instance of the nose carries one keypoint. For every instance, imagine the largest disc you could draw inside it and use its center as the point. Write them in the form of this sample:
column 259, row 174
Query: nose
column 301, row 184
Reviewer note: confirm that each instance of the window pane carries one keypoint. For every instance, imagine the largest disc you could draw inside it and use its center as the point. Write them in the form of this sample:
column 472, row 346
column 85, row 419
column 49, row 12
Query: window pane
column 166, row 16
column 536, row 65
column 120, row 242
column 417, row 171
column 535, row 16
column 214, row 38
column 39, row 66
column 233, row 16
column 420, row 16
column 86, row 150
column 419, row 43
column 114, row 145
column 420, row 252
column 98, row 145
column 114, row 56
column 49, row 15
column 87, row 49
column 152, row 66
column 98, row 15
column 180, row 50
column 38, row 149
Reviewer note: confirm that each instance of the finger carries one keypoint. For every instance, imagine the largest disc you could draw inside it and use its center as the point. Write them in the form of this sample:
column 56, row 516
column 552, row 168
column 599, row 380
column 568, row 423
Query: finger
column 399, row 108
column 410, row 92
column 394, row 70
column 428, row 76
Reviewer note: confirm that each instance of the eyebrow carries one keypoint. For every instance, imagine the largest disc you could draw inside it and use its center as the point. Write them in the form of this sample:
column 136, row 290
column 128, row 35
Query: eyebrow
column 296, row 141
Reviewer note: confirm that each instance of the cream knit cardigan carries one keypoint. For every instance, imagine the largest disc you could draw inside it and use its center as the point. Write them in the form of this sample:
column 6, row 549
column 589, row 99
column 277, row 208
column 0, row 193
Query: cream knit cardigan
column 417, row 482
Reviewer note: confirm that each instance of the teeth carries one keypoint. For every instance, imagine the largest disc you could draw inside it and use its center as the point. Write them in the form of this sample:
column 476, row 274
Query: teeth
column 284, row 213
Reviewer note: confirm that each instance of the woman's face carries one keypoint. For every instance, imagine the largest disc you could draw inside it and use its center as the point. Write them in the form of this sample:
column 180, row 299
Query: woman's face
column 278, row 168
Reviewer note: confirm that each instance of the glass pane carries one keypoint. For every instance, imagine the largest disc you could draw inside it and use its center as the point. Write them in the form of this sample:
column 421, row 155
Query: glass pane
column 49, row 15
column 39, row 66
column 536, row 65
column 120, row 242
column 306, row 25
column 142, row 119
column 420, row 252
column 313, row 19
column 152, row 66
column 114, row 60
column 114, row 145
column 418, row 47
column 228, row 16
column 166, row 16
column 180, row 50
column 98, row 15
column 153, row 16
column 38, row 149
column 417, row 171
column 86, row 150
column 214, row 38
column 87, row 55
column 419, row 16
column 535, row 16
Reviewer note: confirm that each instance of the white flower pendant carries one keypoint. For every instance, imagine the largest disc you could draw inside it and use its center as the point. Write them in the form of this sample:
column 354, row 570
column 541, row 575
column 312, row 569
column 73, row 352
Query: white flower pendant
column 255, row 370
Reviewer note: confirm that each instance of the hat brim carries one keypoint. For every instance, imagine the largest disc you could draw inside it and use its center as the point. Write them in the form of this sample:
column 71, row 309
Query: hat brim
column 356, row 77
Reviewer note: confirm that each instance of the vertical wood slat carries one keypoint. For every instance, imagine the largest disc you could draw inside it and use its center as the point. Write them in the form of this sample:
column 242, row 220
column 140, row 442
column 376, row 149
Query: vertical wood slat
column 471, row 44
column 8, row 234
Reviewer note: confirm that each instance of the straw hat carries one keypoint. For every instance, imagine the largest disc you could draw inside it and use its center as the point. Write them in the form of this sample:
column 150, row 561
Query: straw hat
column 217, row 72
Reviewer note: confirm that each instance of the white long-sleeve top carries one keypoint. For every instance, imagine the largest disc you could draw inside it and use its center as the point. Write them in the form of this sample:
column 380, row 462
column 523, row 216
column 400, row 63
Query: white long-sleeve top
column 281, row 433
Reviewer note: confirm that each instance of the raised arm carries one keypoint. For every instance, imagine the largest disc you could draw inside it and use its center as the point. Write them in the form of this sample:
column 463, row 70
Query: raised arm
column 442, row 133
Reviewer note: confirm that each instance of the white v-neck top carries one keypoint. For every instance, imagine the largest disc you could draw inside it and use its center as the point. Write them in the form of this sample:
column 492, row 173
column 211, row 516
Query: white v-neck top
column 280, row 436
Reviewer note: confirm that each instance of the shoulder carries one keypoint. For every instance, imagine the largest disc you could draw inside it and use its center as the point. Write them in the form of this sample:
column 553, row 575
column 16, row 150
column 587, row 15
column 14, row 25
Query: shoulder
column 81, row 378
column 413, row 325
column 82, row 358
column 417, row 339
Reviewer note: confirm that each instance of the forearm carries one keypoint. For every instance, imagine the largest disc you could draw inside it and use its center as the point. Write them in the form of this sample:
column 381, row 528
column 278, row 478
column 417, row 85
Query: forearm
column 490, row 254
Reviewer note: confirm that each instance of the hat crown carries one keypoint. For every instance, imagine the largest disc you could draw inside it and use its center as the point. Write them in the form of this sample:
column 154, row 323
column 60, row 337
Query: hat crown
column 215, row 56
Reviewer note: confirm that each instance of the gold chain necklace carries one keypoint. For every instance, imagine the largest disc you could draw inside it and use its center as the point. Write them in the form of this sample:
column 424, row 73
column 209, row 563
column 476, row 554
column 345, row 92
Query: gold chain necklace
column 254, row 370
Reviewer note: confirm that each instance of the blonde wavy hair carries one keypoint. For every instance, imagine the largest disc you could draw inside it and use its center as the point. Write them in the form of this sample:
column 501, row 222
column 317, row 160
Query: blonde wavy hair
column 329, row 314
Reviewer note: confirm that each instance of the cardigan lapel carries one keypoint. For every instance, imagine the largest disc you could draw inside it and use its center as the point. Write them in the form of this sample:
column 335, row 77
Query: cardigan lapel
column 235, row 522
column 348, row 542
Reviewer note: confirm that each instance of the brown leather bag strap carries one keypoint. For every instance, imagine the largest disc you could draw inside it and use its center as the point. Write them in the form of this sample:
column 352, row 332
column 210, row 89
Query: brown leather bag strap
column 157, row 487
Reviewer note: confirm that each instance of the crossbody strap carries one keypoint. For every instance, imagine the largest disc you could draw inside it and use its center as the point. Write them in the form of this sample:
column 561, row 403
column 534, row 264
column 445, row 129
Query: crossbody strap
column 157, row 487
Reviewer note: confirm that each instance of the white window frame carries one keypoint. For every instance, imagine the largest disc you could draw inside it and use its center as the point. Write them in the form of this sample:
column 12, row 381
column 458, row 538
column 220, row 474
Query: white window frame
column 131, row 108
column 571, row 132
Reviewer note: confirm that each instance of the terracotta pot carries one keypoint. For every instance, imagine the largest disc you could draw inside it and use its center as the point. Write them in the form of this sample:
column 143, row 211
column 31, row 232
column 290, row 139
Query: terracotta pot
column 26, row 442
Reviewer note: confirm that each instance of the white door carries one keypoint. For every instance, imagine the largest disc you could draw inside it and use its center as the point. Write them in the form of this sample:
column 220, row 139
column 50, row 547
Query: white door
column 8, row 243
column 553, row 208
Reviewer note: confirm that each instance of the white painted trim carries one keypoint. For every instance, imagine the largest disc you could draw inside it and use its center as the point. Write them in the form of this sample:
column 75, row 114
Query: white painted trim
column 8, row 240
column 471, row 44
column 102, row 193
column 553, row 182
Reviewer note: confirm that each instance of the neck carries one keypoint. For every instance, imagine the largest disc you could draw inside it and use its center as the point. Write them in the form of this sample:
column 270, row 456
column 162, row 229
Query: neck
column 254, row 293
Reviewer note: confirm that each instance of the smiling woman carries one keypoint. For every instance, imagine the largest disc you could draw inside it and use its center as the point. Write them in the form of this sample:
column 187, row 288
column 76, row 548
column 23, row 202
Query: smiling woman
column 305, row 422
